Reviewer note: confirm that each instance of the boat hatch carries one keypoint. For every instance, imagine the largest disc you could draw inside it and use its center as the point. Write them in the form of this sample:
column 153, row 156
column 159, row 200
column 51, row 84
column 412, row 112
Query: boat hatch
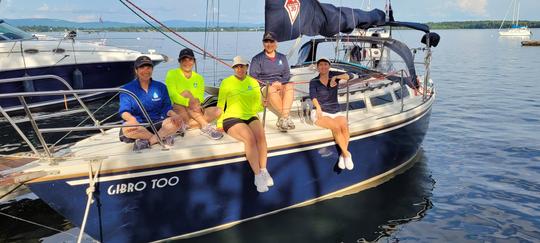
column 381, row 99
column 398, row 93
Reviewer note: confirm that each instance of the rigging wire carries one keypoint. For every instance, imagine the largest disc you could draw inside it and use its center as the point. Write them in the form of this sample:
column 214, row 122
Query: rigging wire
column 237, row 26
column 176, row 34
column 205, row 33
column 155, row 27
column 216, row 47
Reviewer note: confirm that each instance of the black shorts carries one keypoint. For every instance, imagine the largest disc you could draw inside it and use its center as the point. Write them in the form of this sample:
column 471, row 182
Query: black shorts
column 229, row 122
column 125, row 139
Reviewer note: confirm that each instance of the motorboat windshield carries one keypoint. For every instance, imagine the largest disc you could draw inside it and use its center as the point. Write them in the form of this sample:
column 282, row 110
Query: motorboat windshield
column 8, row 33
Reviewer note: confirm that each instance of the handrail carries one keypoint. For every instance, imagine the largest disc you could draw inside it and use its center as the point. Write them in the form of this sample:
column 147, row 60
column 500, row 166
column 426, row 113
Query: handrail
column 97, row 125
column 48, row 76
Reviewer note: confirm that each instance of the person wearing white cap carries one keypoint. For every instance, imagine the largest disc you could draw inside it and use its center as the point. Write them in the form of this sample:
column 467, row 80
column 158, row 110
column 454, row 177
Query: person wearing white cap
column 240, row 100
column 323, row 91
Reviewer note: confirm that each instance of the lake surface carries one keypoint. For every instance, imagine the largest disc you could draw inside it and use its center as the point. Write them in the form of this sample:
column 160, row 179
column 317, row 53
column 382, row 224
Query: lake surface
column 477, row 179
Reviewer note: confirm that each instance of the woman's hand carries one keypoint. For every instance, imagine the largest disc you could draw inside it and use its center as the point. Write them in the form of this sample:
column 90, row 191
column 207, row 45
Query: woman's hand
column 334, row 81
column 131, row 122
column 276, row 85
column 318, row 114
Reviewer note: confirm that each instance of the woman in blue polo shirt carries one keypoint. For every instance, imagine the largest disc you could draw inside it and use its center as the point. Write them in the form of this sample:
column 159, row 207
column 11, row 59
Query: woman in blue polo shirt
column 323, row 91
column 155, row 100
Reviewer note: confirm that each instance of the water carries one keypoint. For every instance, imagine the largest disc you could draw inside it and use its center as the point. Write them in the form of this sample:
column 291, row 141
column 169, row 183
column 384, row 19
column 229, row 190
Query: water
column 477, row 180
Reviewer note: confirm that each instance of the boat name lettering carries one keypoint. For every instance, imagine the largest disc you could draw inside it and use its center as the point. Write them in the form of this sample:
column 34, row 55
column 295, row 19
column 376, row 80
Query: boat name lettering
column 142, row 185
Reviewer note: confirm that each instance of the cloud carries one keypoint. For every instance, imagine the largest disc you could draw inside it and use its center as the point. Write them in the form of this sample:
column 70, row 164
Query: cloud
column 43, row 8
column 473, row 6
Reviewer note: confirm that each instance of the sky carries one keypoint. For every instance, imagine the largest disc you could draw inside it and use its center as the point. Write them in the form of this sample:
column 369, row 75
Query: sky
column 252, row 11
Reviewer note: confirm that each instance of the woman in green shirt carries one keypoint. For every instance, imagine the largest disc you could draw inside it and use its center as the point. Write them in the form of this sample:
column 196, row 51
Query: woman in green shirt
column 240, row 100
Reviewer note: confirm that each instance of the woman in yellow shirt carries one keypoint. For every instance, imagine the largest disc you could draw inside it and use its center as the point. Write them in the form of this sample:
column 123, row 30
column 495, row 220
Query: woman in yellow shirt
column 240, row 100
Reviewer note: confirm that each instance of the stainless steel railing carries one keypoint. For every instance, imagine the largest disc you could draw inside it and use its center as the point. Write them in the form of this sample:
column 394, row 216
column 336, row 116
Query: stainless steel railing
column 40, row 131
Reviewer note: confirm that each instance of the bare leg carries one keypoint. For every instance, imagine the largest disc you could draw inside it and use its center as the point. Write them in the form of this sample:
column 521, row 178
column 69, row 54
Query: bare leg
column 167, row 128
column 197, row 114
column 342, row 121
column 329, row 123
column 136, row 132
column 243, row 133
column 288, row 96
column 274, row 96
column 186, row 115
column 182, row 111
column 258, row 132
column 211, row 114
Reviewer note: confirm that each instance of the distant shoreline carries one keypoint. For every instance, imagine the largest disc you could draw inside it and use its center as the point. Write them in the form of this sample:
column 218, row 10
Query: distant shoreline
column 486, row 24
column 137, row 29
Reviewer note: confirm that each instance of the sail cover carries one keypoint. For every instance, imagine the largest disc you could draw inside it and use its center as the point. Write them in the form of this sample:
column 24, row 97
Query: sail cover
column 289, row 19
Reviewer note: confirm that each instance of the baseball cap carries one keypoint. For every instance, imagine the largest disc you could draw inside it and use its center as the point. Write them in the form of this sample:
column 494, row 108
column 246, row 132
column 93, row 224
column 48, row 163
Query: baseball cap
column 238, row 60
column 186, row 52
column 269, row 36
column 143, row 60
column 323, row 59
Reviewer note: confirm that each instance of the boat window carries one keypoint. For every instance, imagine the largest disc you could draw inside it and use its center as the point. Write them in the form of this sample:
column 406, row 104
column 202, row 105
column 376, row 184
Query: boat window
column 303, row 54
column 355, row 105
column 8, row 32
column 397, row 92
column 381, row 99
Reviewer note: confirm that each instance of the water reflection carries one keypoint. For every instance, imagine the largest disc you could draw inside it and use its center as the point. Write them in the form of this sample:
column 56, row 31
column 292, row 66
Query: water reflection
column 370, row 215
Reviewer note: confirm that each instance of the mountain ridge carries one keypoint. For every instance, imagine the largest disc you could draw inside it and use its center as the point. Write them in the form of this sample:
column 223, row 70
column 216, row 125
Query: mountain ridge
column 112, row 24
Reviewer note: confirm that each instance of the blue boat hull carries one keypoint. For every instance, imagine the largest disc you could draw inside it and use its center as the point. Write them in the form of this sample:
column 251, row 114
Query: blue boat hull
column 184, row 201
column 95, row 75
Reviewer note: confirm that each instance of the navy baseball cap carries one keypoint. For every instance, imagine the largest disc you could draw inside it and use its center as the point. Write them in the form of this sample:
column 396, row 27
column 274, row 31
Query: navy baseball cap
column 186, row 52
column 269, row 36
column 142, row 61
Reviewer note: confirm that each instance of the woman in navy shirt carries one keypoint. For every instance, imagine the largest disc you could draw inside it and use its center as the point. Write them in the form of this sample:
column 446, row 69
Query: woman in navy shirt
column 323, row 91
column 271, row 67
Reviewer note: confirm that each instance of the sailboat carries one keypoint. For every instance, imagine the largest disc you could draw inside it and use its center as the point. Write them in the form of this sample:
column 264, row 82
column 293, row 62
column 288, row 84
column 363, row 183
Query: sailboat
column 515, row 29
column 199, row 185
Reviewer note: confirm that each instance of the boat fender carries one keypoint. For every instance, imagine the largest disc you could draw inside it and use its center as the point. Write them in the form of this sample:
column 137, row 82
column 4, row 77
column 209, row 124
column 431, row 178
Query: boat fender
column 307, row 108
column 433, row 37
column 357, row 54
column 78, row 81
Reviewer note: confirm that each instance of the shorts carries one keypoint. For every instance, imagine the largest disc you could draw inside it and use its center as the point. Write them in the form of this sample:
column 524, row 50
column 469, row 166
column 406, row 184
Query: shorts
column 229, row 122
column 331, row 115
column 125, row 139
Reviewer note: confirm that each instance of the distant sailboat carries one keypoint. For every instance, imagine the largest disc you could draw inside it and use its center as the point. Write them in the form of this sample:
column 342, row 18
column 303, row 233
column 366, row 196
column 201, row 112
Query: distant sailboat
column 515, row 29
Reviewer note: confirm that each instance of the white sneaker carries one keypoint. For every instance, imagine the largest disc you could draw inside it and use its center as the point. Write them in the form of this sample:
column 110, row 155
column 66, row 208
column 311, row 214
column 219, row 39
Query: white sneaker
column 267, row 177
column 260, row 183
column 281, row 124
column 349, row 163
column 341, row 163
column 289, row 123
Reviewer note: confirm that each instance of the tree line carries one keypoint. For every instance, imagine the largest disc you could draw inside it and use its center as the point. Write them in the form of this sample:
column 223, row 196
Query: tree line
column 41, row 28
column 485, row 24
